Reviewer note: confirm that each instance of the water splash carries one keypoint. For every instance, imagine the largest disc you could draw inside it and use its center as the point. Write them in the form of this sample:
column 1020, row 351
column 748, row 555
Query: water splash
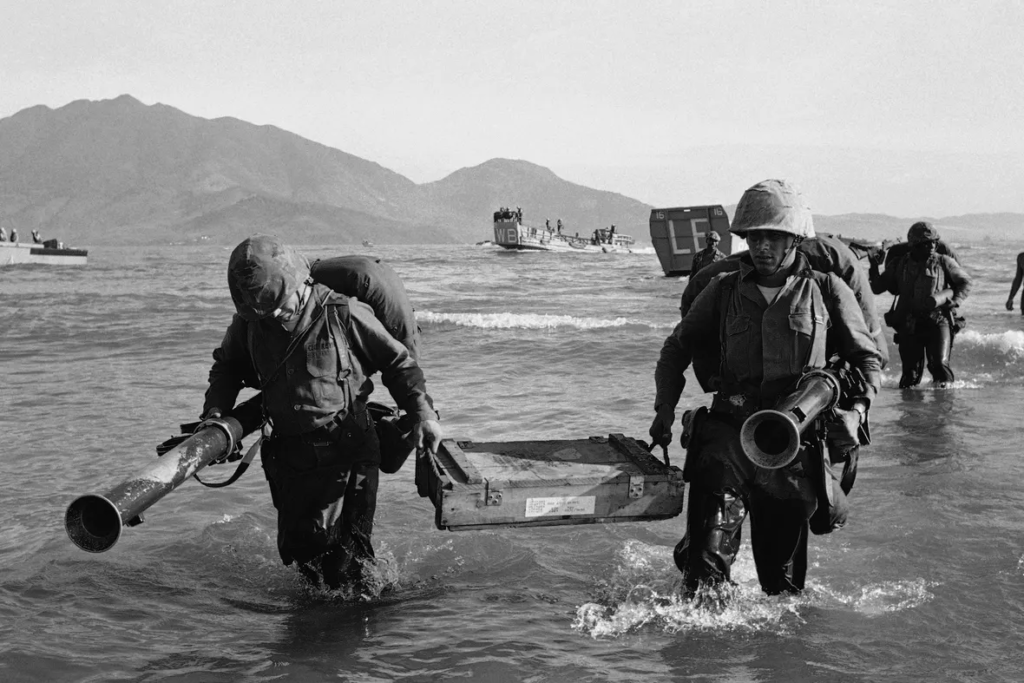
column 645, row 590
column 882, row 598
column 892, row 381
column 382, row 576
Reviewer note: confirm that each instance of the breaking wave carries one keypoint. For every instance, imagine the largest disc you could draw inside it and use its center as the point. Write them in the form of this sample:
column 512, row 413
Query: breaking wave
column 529, row 321
column 998, row 346
column 979, row 359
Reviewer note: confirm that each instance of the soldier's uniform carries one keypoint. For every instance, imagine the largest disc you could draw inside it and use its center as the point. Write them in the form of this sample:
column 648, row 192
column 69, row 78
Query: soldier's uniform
column 322, row 454
column 708, row 255
column 920, row 280
column 761, row 350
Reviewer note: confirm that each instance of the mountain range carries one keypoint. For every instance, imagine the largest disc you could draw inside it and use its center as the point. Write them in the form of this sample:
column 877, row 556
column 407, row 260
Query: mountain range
column 120, row 171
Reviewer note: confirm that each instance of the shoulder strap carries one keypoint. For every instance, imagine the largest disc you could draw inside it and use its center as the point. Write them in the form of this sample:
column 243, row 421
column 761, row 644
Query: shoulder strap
column 726, row 287
column 338, row 304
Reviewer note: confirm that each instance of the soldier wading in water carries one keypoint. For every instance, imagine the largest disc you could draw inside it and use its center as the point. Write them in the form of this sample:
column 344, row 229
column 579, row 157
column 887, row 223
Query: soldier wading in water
column 311, row 351
column 766, row 324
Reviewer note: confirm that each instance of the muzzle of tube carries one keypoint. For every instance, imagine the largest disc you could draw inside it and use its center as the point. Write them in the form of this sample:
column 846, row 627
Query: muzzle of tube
column 771, row 438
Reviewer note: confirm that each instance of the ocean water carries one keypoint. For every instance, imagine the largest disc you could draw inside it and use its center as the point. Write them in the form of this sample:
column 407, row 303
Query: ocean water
column 99, row 364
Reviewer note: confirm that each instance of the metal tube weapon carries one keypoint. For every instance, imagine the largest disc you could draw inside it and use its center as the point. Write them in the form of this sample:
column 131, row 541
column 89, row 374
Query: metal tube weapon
column 94, row 521
column 771, row 438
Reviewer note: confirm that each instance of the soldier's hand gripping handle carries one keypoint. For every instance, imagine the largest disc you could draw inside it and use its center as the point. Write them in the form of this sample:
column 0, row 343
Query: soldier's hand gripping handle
column 842, row 429
column 661, row 427
column 428, row 435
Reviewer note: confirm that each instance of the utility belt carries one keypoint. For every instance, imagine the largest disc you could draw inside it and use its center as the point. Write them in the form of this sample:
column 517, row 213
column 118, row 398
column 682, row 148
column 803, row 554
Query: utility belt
column 332, row 431
column 737, row 407
column 343, row 442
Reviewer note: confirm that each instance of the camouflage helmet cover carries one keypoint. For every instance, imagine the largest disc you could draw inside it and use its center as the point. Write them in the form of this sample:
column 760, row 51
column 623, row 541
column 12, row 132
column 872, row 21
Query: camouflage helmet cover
column 922, row 231
column 713, row 236
column 773, row 205
column 262, row 273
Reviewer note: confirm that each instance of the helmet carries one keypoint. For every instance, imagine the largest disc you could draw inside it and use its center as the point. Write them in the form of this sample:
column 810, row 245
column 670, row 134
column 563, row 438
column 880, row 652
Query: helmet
column 922, row 231
column 262, row 273
column 713, row 236
column 773, row 205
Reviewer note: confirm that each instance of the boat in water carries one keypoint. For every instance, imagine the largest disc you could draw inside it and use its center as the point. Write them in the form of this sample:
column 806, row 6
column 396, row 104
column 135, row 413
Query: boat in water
column 49, row 252
column 511, row 233
column 680, row 232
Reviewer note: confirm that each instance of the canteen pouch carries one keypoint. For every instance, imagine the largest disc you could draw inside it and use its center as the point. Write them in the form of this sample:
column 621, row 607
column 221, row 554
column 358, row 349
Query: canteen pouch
column 832, row 510
column 889, row 316
column 692, row 421
column 394, row 433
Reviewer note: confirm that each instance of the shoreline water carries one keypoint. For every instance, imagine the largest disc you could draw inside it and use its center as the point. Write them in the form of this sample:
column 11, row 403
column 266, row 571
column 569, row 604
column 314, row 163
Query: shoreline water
column 101, row 364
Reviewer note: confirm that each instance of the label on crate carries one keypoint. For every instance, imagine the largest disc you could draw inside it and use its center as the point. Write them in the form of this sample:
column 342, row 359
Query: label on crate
column 544, row 507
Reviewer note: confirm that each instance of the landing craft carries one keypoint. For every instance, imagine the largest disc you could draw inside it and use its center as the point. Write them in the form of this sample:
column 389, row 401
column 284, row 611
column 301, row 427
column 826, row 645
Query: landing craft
column 50, row 252
column 681, row 232
column 511, row 233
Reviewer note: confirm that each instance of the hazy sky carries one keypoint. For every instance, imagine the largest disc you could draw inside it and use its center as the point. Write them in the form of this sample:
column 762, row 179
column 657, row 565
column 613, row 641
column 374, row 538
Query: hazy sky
column 904, row 107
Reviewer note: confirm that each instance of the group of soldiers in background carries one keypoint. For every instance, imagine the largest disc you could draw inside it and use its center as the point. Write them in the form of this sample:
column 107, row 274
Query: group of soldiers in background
column 36, row 237
column 928, row 285
column 504, row 213
column 547, row 225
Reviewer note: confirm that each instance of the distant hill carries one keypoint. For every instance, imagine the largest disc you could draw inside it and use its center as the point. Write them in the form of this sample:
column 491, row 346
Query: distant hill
column 120, row 171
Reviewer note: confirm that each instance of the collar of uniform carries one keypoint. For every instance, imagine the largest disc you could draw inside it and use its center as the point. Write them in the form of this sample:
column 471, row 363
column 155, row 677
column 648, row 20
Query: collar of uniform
column 314, row 299
column 802, row 267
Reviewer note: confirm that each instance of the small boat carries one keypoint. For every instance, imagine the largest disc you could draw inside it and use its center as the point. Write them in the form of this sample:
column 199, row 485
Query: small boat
column 50, row 252
column 511, row 233
column 679, row 233
column 367, row 243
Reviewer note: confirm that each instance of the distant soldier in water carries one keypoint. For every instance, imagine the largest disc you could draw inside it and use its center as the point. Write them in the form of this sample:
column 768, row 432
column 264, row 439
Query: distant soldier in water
column 14, row 234
column 708, row 254
column 929, row 287
column 3, row 235
column 1017, row 279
